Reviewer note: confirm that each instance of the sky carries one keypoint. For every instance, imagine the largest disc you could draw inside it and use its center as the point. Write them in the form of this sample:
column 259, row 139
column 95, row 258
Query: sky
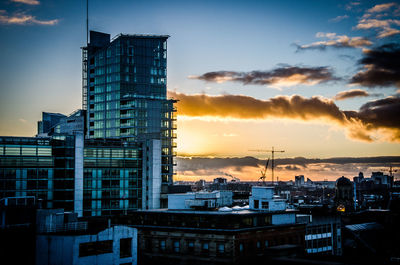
column 317, row 79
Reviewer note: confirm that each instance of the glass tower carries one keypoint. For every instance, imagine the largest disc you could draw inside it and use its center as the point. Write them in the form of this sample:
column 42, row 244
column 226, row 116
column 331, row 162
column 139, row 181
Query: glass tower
column 125, row 92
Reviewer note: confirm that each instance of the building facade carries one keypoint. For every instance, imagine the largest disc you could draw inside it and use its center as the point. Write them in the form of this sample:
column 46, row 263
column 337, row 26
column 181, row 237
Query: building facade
column 125, row 93
column 214, row 237
column 66, row 241
column 91, row 177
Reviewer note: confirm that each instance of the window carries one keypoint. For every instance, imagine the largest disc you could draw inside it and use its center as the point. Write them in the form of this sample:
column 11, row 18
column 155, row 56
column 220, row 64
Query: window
column 125, row 247
column 176, row 246
column 205, row 247
column 190, row 246
column 256, row 204
column 241, row 247
column 95, row 248
column 264, row 205
column 162, row 245
column 258, row 244
column 221, row 248
column 266, row 243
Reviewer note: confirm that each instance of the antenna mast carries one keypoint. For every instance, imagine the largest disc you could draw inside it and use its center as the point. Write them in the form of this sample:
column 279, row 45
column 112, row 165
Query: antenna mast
column 87, row 22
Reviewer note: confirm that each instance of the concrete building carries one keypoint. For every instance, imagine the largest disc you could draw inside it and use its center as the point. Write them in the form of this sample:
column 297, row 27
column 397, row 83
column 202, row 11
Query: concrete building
column 262, row 198
column 215, row 237
column 73, row 243
column 200, row 200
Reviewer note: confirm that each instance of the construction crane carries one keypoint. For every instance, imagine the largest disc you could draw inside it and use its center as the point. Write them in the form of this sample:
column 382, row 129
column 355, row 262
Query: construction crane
column 233, row 178
column 264, row 173
column 273, row 151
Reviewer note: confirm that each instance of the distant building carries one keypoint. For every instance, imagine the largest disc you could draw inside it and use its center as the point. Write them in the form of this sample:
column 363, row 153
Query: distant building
column 262, row 198
column 299, row 180
column 344, row 194
column 49, row 120
column 200, row 200
column 65, row 124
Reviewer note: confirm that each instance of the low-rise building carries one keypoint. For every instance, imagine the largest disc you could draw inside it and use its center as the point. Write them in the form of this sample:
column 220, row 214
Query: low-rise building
column 74, row 243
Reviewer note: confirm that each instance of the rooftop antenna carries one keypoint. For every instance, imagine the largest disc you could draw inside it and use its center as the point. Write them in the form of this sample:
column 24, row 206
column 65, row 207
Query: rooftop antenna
column 87, row 22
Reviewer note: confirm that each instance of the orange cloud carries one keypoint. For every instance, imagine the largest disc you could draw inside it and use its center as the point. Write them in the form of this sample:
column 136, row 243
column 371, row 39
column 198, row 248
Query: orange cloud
column 374, row 118
column 24, row 19
column 28, row 2
column 380, row 8
column 336, row 41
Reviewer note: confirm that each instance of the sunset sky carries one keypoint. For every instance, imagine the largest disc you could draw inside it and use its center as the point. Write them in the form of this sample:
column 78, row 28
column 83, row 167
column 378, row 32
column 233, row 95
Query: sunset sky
column 318, row 79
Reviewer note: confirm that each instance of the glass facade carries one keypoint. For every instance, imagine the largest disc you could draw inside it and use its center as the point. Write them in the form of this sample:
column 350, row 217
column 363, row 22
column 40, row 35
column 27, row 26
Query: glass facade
column 45, row 168
column 126, row 93
column 112, row 178
column 39, row 167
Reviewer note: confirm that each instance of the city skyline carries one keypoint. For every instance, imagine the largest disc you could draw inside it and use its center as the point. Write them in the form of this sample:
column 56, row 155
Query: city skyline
column 314, row 86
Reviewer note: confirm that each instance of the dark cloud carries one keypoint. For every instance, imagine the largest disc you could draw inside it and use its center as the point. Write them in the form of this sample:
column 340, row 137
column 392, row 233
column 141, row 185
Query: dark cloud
column 351, row 94
column 208, row 166
column 291, row 168
column 282, row 76
column 382, row 113
column 379, row 116
column 381, row 67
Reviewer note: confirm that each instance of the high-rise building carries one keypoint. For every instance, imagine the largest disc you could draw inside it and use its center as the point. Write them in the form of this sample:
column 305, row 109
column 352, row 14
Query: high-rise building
column 125, row 93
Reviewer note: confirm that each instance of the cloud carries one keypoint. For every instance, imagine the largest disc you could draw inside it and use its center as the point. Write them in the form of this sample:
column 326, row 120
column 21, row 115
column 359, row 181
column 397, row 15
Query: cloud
column 28, row 2
column 380, row 8
column 335, row 41
column 339, row 18
column 370, row 120
column 24, row 19
column 381, row 67
column 351, row 94
column 285, row 76
column 247, row 168
column 350, row 5
column 384, row 27
column 22, row 120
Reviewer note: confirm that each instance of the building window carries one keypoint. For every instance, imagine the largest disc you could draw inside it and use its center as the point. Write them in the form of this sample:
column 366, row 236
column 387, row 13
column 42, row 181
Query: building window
column 241, row 247
column 162, row 245
column 221, row 248
column 258, row 244
column 95, row 248
column 264, row 205
column 176, row 246
column 125, row 247
column 190, row 246
column 256, row 204
column 266, row 243
column 205, row 247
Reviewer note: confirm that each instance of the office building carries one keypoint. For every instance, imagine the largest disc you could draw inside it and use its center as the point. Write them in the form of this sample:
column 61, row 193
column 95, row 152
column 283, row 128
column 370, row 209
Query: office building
column 91, row 177
column 125, row 93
